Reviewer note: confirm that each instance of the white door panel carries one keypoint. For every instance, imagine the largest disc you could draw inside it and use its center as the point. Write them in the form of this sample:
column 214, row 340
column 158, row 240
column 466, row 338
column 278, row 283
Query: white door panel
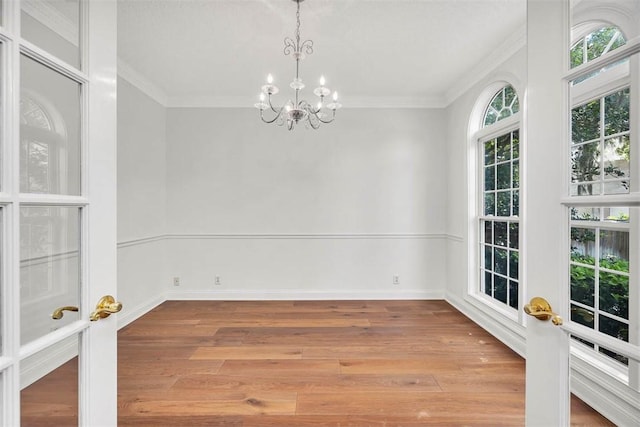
column 58, row 204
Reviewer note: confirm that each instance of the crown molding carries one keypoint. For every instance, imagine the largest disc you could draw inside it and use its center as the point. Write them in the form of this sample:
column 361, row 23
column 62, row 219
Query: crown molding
column 52, row 18
column 349, row 102
column 487, row 65
column 142, row 83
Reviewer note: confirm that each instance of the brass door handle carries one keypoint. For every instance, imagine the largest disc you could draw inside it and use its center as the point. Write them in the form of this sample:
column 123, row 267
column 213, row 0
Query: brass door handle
column 106, row 306
column 59, row 312
column 540, row 309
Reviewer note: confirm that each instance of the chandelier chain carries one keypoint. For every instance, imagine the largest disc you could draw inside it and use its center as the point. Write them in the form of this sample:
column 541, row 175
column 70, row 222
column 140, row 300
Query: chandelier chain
column 299, row 48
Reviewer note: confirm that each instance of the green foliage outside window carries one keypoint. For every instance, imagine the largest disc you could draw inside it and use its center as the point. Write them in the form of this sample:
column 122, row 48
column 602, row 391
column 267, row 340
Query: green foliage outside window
column 596, row 44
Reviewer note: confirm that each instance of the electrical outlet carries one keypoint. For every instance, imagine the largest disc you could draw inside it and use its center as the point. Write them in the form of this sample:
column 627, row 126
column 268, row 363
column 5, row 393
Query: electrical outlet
column 176, row 281
column 217, row 281
column 396, row 280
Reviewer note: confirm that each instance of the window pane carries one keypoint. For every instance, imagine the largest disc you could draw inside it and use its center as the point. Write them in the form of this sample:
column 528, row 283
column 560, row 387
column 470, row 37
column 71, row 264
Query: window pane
column 504, row 203
column 514, row 235
column 515, row 140
column 583, row 245
column 500, row 261
column 582, row 316
column 514, row 257
column 488, row 232
column 585, row 163
column 504, row 176
column 49, row 131
column 583, row 281
column 614, row 294
column 616, row 112
column 501, row 233
column 489, row 152
column 614, row 250
column 49, row 268
column 488, row 283
column 500, row 291
column 53, row 25
column 503, row 148
column 513, row 294
column 488, row 251
column 585, row 122
column 489, row 203
column 489, row 178
column 49, row 384
column 585, row 214
column 614, row 328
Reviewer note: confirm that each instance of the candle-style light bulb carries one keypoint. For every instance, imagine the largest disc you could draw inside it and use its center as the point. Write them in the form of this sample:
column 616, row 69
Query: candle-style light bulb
column 322, row 81
column 269, row 79
column 319, row 105
column 261, row 96
column 335, row 96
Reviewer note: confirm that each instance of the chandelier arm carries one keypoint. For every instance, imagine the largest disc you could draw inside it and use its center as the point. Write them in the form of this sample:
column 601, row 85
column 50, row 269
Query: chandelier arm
column 327, row 121
column 315, row 126
column 272, row 107
column 317, row 116
column 278, row 114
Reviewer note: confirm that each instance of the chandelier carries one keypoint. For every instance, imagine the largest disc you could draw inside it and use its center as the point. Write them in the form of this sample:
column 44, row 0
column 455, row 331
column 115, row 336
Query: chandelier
column 298, row 110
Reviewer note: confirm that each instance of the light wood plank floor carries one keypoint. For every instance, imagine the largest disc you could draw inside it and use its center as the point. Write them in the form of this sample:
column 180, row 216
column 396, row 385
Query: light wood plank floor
column 345, row 363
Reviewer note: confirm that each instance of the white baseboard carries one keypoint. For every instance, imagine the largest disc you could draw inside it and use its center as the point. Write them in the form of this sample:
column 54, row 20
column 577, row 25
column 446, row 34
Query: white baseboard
column 129, row 314
column 614, row 400
column 512, row 339
column 286, row 295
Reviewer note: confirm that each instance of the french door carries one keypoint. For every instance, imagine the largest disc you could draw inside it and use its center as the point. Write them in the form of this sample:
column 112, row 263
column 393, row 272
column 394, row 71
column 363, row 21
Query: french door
column 582, row 214
column 58, row 212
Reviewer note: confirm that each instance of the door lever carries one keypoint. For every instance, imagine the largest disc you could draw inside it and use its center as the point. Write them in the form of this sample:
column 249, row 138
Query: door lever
column 59, row 312
column 540, row 309
column 106, row 307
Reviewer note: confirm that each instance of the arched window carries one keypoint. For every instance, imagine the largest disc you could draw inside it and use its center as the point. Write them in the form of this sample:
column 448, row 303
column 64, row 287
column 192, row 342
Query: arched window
column 504, row 104
column 499, row 202
column 596, row 44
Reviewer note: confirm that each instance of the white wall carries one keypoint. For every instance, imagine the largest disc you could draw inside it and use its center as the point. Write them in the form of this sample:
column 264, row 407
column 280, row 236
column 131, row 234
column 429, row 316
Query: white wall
column 333, row 213
column 142, row 201
column 460, row 204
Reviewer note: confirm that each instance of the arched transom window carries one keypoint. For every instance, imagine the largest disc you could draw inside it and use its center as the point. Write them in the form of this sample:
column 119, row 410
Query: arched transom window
column 596, row 44
column 504, row 104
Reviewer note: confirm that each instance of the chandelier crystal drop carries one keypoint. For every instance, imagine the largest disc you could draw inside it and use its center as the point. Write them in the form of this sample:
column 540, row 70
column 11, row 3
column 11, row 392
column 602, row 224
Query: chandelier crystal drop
column 298, row 110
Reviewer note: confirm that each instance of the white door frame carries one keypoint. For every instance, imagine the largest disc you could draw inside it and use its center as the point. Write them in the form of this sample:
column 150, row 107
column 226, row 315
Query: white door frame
column 547, row 347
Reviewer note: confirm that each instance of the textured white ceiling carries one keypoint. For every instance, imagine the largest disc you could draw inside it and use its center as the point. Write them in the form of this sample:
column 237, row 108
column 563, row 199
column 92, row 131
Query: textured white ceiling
column 394, row 51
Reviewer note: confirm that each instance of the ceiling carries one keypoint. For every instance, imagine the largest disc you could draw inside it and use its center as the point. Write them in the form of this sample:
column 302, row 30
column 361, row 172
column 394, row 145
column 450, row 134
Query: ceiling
column 374, row 52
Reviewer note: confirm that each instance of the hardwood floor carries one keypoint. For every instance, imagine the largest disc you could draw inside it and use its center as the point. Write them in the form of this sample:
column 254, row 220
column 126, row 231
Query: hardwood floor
column 346, row 363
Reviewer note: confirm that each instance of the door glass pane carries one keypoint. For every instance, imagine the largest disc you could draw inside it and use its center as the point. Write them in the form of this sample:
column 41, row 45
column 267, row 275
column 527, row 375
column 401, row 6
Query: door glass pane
column 49, row 269
column 53, row 25
column 601, row 134
column 600, row 273
column 49, row 131
column 49, row 386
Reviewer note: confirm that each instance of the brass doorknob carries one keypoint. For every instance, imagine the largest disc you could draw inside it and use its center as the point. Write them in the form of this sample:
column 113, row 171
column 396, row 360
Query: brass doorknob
column 105, row 307
column 539, row 308
column 59, row 312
